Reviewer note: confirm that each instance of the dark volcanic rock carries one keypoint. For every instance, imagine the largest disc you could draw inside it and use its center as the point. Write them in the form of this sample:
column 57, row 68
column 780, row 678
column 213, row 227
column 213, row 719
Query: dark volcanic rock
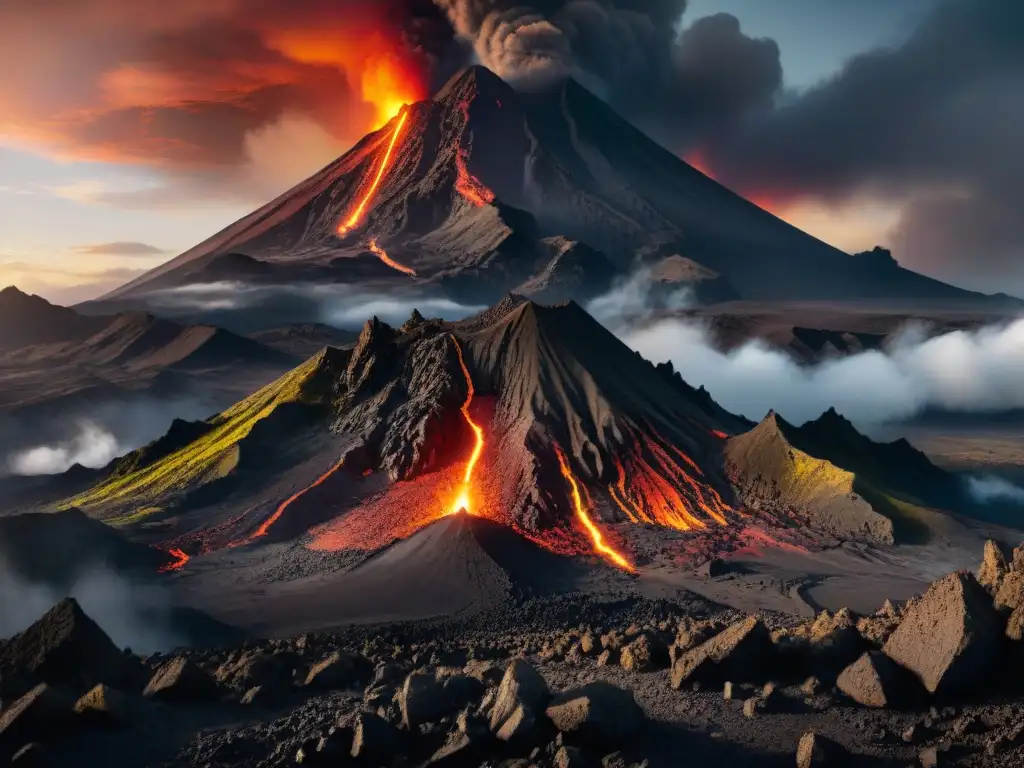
column 874, row 680
column 598, row 712
column 38, row 715
column 374, row 739
column 950, row 638
column 339, row 670
column 521, row 687
column 817, row 751
column 106, row 706
column 66, row 647
column 738, row 653
column 181, row 680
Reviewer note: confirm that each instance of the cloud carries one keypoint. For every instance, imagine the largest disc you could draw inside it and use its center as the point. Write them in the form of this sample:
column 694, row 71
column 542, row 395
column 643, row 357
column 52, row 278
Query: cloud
column 64, row 285
column 989, row 489
column 344, row 306
column 92, row 447
column 934, row 123
column 966, row 371
column 120, row 249
column 180, row 87
column 636, row 297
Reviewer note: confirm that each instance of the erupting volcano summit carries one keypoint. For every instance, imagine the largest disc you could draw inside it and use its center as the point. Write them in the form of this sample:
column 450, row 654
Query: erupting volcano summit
column 483, row 190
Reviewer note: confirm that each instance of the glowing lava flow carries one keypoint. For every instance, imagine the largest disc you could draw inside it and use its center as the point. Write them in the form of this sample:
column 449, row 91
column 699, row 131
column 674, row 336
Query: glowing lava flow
column 581, row 514
column 356, row 216
column 468, row 185
column 463, row 501
column 383, row 256
column 179, row 563
column 266, row 524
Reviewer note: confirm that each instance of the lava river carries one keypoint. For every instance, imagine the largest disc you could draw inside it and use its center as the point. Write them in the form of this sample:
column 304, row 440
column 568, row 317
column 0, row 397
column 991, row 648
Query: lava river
column 356, row 216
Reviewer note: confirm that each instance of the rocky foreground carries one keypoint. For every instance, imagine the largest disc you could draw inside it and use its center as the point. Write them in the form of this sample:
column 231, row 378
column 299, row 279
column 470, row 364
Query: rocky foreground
column 935, row 682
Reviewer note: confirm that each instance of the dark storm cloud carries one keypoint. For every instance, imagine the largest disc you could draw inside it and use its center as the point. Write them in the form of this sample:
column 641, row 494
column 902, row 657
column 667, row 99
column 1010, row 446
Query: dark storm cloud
column 937, row 121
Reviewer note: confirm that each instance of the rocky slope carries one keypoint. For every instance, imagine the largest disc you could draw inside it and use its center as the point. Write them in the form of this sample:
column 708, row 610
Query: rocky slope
column 549, row 682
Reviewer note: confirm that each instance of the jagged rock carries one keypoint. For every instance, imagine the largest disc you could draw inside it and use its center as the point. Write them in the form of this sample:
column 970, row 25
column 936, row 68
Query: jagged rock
column 181, row 679
column 66, row 647
column 934, row 757
column 570, row 757
column 488, row 673
column 105, row 706
column 588, row 643
column 1015, row 625
column 693, row 632
column 522, row 686
column 645, row 654
column 737, row 653
column 874, row 681
column 993, row 566
column 389, row 674
column 39, row 714
column 460, row 691
column 607, row 658
column 817, row 751
column 257, row 696
column 255, row 668
column 421, row 700
column 950, row 638
column 520, row 727
column 337, row 671
column 1010, row 594
column 1017, row 563
column 597, row 712
column 374, row 739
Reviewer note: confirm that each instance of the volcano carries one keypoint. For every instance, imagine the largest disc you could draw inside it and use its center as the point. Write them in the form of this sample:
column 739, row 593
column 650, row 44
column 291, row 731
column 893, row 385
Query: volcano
column 532, row 417
column 484, row 190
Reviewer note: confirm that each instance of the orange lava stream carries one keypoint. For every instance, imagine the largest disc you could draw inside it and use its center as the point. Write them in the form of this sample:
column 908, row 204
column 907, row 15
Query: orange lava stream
column 178, row 564
column 356, row 216
column 464, row 499
column 591, row 528
column 469, row 186
column 266, row 524
column 383, row 256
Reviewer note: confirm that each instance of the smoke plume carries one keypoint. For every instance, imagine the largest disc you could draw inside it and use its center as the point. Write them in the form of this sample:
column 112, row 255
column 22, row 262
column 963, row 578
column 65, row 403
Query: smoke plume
column 967, row 371
column 92, row 447
column 134, row 616
column 637, row 297
column 990, row 489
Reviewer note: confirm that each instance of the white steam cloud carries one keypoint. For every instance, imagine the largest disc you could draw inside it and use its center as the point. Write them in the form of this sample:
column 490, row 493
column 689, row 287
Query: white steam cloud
column 990, row 489
column 967, row 371
column 93, row 447
column 636, row 298
column 344, row 306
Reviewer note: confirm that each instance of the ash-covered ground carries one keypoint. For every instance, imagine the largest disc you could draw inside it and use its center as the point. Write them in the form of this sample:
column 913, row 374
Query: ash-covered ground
column 573, row 679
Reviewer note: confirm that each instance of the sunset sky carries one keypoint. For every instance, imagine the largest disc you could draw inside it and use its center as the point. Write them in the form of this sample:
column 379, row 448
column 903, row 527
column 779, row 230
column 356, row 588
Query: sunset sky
column 133, row 129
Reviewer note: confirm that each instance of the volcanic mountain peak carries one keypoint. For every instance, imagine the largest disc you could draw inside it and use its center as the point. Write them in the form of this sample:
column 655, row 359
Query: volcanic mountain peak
column 772, row 475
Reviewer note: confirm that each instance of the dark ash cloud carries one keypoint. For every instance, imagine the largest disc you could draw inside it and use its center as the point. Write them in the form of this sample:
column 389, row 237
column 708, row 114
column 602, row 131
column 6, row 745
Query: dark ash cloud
column 936, row 122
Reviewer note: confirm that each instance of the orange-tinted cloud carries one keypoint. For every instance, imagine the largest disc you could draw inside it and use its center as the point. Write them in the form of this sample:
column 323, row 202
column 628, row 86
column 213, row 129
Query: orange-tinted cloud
column 180, row 85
